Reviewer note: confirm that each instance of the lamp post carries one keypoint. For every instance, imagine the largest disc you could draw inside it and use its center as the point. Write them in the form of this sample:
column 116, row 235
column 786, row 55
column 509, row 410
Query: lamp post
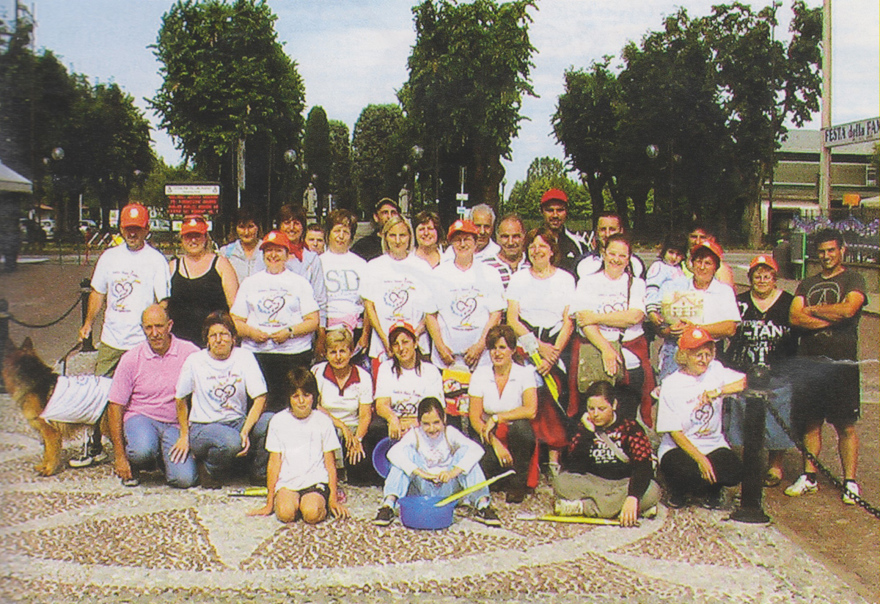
column 653, row 152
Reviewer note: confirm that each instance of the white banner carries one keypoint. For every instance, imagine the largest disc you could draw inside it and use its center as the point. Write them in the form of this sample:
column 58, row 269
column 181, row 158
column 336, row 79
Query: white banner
column 861, row 131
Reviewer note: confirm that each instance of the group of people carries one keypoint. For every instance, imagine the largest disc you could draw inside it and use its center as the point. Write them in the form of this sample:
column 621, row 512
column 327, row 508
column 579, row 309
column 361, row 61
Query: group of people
column 291, row 355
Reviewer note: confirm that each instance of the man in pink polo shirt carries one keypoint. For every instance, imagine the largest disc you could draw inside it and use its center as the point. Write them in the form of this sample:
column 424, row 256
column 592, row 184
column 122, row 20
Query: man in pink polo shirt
column 144, row 418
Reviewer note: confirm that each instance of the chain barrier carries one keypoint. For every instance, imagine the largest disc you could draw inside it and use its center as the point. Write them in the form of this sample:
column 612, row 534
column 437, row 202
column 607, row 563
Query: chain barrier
column 44, row 325
column 799, row 443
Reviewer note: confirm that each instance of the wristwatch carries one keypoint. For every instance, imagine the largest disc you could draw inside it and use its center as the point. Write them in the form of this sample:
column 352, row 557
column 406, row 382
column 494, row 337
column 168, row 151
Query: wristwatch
column 495, row 418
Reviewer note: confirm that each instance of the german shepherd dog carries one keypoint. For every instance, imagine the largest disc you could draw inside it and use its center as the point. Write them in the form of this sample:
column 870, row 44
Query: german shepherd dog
column 31, row 383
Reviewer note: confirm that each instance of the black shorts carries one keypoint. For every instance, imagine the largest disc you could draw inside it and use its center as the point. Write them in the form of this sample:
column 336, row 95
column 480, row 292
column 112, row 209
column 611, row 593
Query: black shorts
column 321, row 488
column 825, row 390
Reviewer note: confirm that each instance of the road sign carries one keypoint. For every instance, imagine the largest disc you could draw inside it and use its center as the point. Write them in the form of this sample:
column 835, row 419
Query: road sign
column 861, row 131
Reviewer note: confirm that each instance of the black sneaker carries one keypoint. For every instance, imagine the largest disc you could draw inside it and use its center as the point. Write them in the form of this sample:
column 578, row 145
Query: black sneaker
column 384, row 516
column 206, row 481
column 487, row 516
column 676, row 501
column 89, row 456
column 714, row 500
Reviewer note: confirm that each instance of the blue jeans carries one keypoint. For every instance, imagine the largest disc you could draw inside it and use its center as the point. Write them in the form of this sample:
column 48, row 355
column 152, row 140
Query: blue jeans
column 218, row 443
column 400, row 485
column 149, row 440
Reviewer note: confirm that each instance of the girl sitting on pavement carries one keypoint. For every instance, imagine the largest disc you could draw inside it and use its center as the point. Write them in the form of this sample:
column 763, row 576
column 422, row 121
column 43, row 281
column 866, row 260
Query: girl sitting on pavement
column 608, row 468
column 301, row 476
column 435, row 460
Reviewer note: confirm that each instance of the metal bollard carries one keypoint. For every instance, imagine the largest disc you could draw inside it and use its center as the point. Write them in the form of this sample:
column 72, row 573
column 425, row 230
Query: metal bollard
column 85, row 290
column 750, row 508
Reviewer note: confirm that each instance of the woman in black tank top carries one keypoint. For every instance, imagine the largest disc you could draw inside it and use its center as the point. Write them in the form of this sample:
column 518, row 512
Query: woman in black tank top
column 201, row 282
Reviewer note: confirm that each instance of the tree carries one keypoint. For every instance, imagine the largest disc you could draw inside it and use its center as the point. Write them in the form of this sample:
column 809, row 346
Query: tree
column 69, row 137
column 468, row 72
column 547, row 173
column 709, row 97
column 340, row 166
column 227, row 81
column 378, row 154
column 316, row 152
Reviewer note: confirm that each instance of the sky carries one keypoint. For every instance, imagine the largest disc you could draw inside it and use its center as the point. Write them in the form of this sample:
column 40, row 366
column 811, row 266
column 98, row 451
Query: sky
column 352, row 53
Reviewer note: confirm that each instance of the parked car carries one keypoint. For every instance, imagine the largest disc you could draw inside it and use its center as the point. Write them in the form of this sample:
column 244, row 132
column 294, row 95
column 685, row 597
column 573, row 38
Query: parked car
column 86, row 226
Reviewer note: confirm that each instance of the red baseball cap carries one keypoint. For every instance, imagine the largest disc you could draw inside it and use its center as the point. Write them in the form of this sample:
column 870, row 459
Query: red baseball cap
column 554, row 195
column 276, row 238
column 462, row 226
column 401, row 326
column 134, row 214
column 710, row 245
column 763, row 260
column 694, row 336
column 194, row 224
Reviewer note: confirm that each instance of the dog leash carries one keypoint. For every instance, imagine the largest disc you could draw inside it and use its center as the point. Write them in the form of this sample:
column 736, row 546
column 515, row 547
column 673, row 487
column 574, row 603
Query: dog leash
column 63, row 360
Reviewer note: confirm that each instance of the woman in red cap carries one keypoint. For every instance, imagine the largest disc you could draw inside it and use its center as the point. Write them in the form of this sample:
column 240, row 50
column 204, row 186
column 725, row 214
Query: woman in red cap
column 276, row 313
column 201, row 282
column 765, row 338
column 404, row 381
column 694, row 455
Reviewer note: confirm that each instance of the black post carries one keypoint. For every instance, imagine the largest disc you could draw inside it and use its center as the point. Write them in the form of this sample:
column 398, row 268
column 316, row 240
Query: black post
column 85, row 289
column 4, row 333
column 750, row 509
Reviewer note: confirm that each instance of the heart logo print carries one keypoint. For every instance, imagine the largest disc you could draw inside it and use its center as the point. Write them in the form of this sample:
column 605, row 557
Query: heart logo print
column 273, row 306
column 121, row 291
column 397, row 299
column 223, row 393
column 464, row 308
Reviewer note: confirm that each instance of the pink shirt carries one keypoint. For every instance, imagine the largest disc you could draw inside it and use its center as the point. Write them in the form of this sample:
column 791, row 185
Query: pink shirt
column 144, row 382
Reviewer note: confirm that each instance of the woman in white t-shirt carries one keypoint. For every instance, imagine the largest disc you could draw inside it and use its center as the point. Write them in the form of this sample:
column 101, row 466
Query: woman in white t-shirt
column 503, row 401
column 347, row 397
column 275, row 313
column 609, row 307
column 219, row 426
column 395, row 290
column 694, row 454
column 404, row 381
column 537, row 310
column 344, row 273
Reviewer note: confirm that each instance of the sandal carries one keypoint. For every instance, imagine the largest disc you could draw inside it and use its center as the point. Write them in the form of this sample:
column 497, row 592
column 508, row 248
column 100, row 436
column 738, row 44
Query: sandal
column 771, row 479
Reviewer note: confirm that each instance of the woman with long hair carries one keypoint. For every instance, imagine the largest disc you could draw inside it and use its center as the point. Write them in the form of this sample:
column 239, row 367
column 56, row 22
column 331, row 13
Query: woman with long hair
column 201, row 281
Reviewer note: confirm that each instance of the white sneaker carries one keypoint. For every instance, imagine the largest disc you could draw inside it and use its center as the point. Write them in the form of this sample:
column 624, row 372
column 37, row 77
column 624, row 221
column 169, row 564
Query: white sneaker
column 651, row 512
column 802, row 486
column 568, row 507
column 851, row 488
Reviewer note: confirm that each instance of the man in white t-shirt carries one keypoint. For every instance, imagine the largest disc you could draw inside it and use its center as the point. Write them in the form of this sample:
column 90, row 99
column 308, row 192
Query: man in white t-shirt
column 467, row 301
column 128, row 278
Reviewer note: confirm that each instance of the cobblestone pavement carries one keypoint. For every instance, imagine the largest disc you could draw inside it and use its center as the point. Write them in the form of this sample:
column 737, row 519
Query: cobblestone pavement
column 82, row 536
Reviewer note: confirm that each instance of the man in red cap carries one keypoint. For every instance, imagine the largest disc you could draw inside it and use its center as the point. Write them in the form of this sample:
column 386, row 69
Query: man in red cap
column 128, row 278
column 572, row 246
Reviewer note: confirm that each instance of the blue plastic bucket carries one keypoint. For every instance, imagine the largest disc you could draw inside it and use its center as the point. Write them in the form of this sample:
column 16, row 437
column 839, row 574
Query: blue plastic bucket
column 418, row 512
column 380, row 457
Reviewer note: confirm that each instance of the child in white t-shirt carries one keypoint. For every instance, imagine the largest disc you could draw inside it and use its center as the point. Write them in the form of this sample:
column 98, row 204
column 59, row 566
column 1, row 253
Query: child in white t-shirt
column 301, row 476
column 436, row 460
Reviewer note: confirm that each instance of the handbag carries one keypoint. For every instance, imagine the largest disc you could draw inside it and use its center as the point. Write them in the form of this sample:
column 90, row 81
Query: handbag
column 591, row 369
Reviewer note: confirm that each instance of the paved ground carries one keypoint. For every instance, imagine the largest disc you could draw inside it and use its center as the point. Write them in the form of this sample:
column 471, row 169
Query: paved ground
column 81, row 536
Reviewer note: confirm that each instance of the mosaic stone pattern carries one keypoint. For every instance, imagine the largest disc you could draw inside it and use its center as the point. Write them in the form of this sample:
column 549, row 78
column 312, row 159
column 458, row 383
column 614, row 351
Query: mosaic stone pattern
column 173, row 539
column 692, row 536
column 19, row 507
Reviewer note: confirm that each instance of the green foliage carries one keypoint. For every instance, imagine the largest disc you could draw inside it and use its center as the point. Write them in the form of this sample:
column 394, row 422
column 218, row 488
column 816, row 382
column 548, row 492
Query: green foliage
column 316, row 151
column 226, row 78
column 105, row 139
column 712, row 95
column 468, row 72
column 340, row 166
column 547, row 173
column 379, row 152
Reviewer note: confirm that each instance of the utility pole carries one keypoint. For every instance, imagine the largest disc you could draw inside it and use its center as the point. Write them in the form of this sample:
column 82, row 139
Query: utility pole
column 825, row 151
